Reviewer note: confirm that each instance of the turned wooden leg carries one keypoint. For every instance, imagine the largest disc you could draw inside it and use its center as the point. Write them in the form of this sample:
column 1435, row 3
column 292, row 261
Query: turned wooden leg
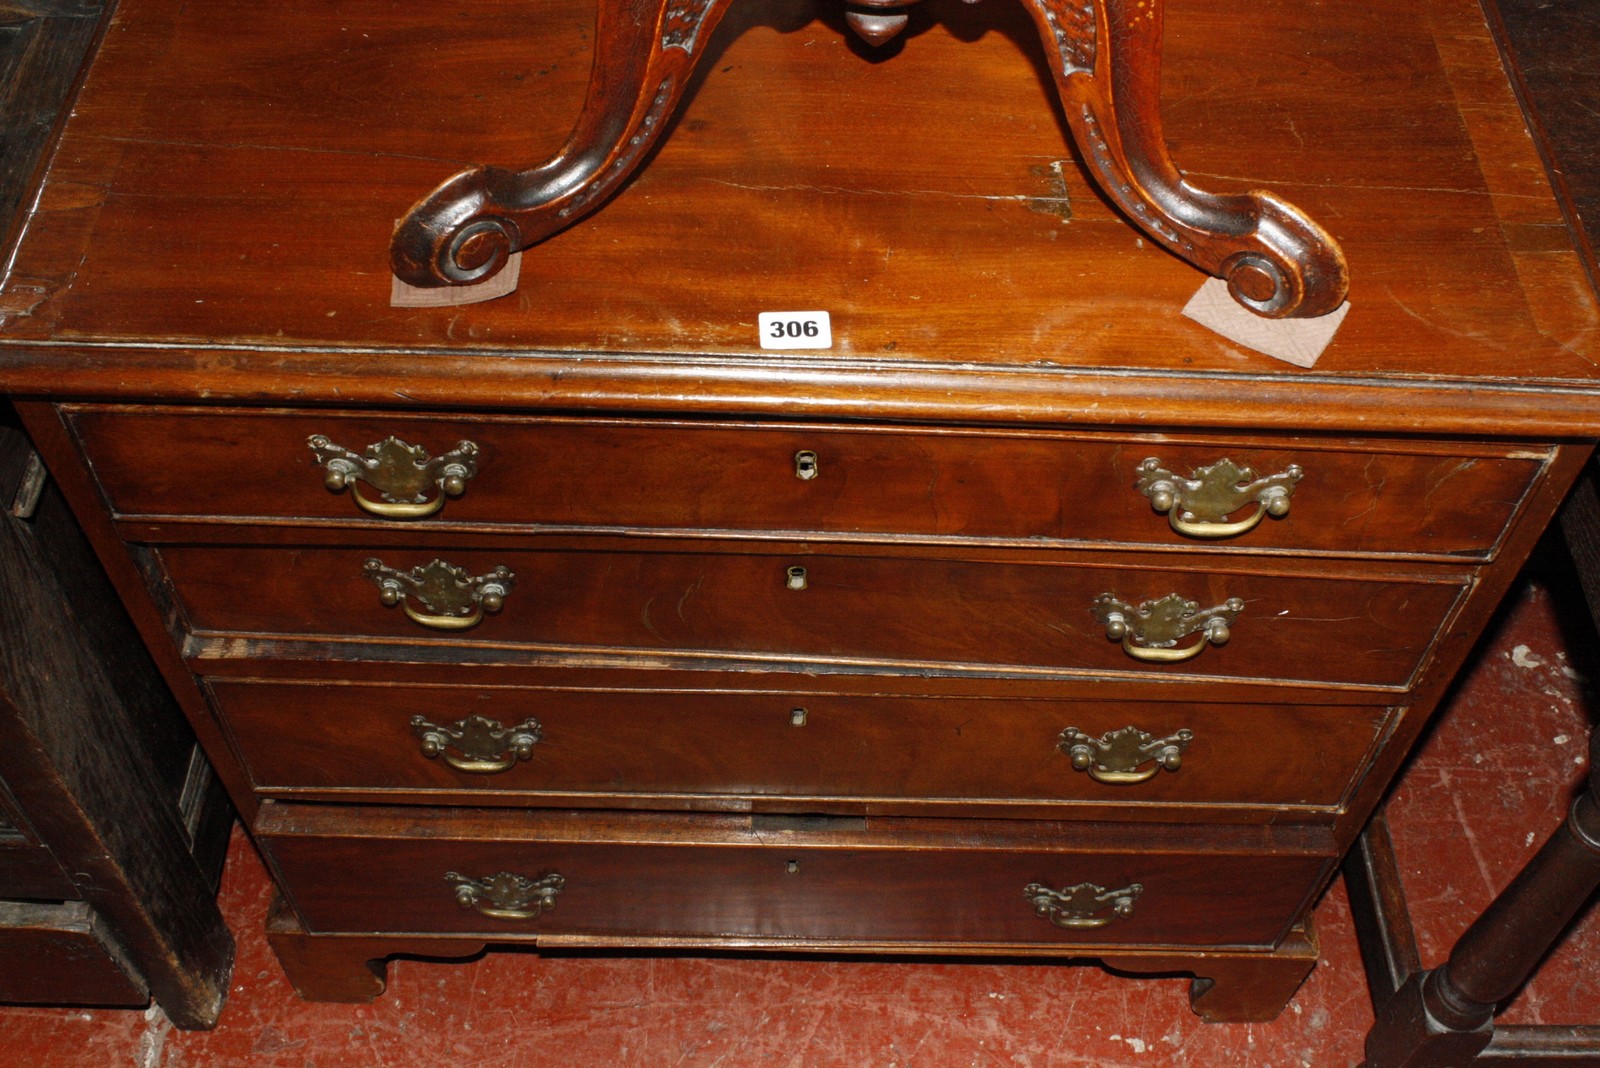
column 1106, row 55
column 645, row 51
column 1443, row 1018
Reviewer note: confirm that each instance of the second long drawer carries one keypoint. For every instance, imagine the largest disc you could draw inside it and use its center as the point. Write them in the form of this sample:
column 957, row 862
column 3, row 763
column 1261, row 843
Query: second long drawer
column 563, row 746
column 1038, row 612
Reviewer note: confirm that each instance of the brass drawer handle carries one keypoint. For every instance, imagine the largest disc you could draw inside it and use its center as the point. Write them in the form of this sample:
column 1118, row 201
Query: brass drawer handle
column 400, row 472
column 477, row 745
column 1151, row 631
column 1082, row 906
column 1200, row 504
column 1115, row 757
column 454, row 599
column 506, row 895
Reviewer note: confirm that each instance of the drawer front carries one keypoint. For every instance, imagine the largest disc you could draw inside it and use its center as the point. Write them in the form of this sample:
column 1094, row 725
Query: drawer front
column 63, row 954
column 770, row 884
column 27, row 867
column 587, row 747
column 1033, row 616
column 1352, row 497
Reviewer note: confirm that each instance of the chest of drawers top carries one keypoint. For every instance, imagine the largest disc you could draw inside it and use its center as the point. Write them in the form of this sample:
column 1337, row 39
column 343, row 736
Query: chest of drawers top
column 208, row 233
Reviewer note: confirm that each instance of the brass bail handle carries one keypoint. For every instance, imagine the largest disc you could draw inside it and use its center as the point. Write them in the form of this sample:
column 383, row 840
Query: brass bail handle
column 1151, row 630
column 507, row 895
column 1084, row 906
column 452, row 598
column 403, row 474
column 477, row 745
column 1117, row 758
column 438, row 621
column 1198, row 506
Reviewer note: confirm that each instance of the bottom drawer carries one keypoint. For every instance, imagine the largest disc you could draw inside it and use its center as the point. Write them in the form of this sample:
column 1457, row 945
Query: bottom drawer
column 510, row 875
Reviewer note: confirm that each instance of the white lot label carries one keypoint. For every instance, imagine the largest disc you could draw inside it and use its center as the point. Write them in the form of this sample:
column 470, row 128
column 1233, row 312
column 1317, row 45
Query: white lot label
column 795, row 330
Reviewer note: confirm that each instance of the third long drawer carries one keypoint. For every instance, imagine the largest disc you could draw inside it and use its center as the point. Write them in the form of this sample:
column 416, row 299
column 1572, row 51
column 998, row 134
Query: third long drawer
column 685, row 749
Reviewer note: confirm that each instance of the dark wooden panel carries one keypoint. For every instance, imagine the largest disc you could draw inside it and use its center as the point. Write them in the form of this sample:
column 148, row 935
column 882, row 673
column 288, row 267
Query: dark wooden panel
column 1356, row 496
column 68, row 580
column 43, row 46
column 30, row 871
column 320, row 736
column 1549, row 48
column 712, row 877
column 63, row 955
column 27, row 867
column 96, row 754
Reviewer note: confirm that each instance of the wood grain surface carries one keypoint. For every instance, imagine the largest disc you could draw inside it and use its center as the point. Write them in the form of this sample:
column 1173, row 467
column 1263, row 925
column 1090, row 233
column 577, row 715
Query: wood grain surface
column 1365, row 497
column 711, row 750
column 224, row 228
column 909, row 881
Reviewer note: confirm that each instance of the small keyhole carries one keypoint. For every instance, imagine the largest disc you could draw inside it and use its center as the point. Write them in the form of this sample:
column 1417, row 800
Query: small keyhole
column 792, row 867
column 797, row 717
column 805, row 465
column 796, row 578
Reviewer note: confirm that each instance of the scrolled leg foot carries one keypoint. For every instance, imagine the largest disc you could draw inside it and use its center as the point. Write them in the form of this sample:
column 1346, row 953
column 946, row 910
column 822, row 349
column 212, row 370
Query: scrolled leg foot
column 1106, row 56
column 460, row 234
column 467, row 228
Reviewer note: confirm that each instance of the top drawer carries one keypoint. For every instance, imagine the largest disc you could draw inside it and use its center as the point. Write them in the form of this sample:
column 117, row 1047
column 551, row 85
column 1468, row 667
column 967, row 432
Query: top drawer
column 1442, row 499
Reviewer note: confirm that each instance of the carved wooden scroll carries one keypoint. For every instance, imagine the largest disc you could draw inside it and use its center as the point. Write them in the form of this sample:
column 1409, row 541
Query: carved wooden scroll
column 645, row 51
column 1106, row 56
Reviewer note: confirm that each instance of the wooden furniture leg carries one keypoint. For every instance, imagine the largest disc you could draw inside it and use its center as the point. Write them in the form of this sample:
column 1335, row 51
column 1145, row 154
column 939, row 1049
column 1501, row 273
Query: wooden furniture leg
column 1236, row 987
column 1444, row 1017
column 1106, row 56
column 344, row 967
column 645, row 51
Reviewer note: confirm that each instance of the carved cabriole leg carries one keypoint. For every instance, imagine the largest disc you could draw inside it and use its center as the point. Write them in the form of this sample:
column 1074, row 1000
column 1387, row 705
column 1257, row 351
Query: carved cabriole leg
column 1106, row 55
column 645, row 51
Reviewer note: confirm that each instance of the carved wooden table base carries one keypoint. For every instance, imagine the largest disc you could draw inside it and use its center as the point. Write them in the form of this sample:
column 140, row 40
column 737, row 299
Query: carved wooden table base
column 1106, row 56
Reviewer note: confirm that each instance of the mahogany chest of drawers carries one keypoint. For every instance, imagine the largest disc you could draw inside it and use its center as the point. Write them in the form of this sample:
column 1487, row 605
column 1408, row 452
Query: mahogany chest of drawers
column 1027, row 618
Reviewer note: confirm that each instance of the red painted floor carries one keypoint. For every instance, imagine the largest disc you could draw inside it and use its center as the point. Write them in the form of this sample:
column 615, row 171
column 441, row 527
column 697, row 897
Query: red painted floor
column 1493, row 780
